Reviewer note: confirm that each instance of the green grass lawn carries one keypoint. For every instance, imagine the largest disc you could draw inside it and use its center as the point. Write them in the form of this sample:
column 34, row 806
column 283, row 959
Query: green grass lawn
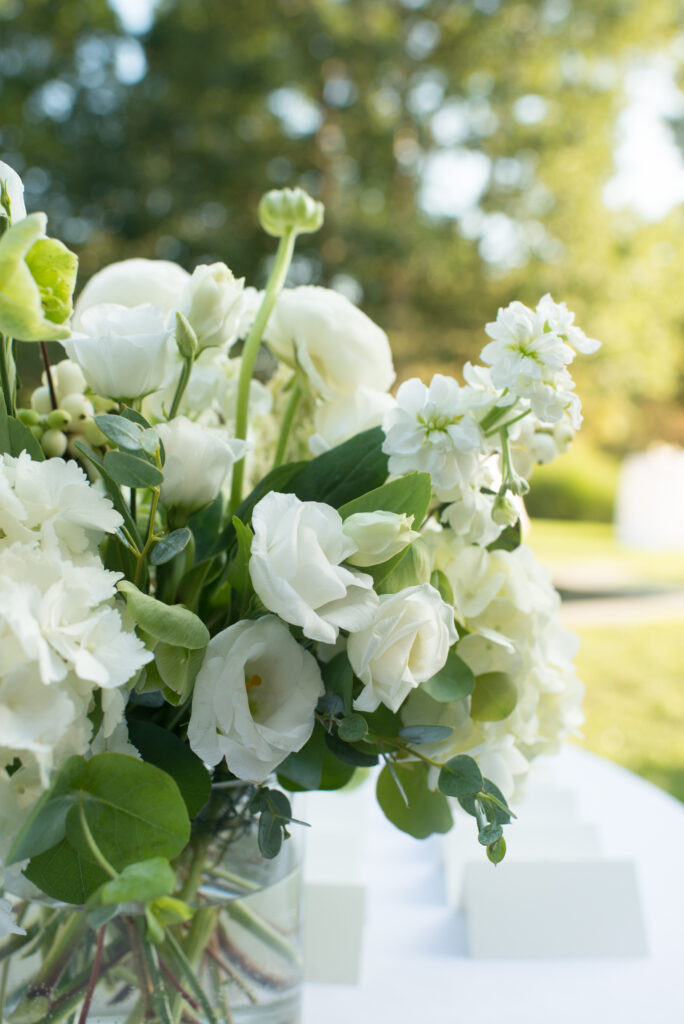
column 634, row 675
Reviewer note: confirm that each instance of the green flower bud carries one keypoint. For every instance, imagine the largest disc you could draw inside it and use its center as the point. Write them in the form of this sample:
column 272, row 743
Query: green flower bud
column 186, row 339
column 29, row 416
column 504, row 512
column 37, row 278
column 284, row 209
column 53, row 443
column 58, row 419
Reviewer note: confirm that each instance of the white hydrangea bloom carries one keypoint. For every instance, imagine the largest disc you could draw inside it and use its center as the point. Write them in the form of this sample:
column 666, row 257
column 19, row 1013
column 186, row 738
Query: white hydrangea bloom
column 433, row 430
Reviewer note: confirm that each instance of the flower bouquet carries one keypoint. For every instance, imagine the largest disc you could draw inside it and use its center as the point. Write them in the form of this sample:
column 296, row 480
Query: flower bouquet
column 232, row 565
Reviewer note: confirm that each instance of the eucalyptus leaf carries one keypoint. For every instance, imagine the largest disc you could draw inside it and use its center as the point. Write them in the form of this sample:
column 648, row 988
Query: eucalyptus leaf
column 494, row 697
column 132, row 471
column 121, row 431
column 353, row 728
column 426, row 733
column 349, row 754
column 173, row 624
column 489, row 834
column 460, row 777
column 270, row 834
column 303, row 769
column 497, row 851
column 494, row 814
column 338, row 678
column 427, row 811
column 453, row 682
column 170, row 546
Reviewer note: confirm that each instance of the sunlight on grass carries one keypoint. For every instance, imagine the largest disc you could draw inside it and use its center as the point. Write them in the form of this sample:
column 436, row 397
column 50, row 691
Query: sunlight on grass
column 635, row 699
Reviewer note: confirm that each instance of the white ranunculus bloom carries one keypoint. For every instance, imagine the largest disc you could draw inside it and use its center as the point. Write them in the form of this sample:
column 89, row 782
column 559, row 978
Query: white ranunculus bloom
column 378, row 536
column 407, row 642
column 52, row 501
column 433, row 430
column 198, row 461
column 254, row 698
column 133, row 282
column 122, row 349
column 295, row 567
column 337, row 346
column 212, row 303
column 15, row 191
column 341, row 417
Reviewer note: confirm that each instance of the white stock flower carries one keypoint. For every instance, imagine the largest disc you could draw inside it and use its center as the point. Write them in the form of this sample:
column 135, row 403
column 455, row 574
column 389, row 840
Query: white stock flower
column 341, row 417
column 15, row 192
column 378, row 536
column 52, row 500
column 254, row 698
column 522, row 349
column 561, row 321
column 133, row 282
column 122, row 349
column 337, row 346
column 295, row 567
column 198, row 461
column 407, row 642
column 433, row 430
column 470, row 516
column 212, row 303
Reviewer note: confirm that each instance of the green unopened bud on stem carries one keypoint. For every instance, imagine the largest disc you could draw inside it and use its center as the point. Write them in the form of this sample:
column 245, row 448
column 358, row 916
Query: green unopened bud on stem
column 290, row 209
column 186, row 339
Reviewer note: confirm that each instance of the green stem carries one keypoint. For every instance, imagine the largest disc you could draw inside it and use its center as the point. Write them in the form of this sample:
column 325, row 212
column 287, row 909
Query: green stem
column 57, row 959
column 181, row 386
column 94, row 848
column 5, row 375
column 188, row 960
column 509, row 423
column 249, row 353
column 255, row 924
column 288, row 420
column 150, row 534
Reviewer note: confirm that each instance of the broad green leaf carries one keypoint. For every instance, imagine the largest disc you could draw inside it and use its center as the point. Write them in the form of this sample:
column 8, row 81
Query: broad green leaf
column 238, row 570
column 134, row 810
column 489, row 834
column 46, row 824
column 408, row 568
column 270, row 834
column 170, row 546
column 140, row 882
column 134, row 417
column 303, row 769
column 338, row 476
column 453, row 682
column 131, row 471
column 123, row 432
column 173, row 624
column 61, row 872
column 338, row 678
column 426, row 733
column 409, row 494
column 460, row 777
column 427, row 811
column 21, row 439
column 348, row 754
column 178, row 667
column 494, row 697
column 439, row 581
column 165, row 750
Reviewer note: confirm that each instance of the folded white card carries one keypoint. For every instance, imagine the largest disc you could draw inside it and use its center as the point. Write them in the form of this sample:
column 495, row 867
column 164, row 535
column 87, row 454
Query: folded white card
column 533, row 909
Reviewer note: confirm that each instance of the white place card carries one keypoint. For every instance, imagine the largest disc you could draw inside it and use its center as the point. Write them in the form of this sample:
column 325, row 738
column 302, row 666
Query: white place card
column 536, row 909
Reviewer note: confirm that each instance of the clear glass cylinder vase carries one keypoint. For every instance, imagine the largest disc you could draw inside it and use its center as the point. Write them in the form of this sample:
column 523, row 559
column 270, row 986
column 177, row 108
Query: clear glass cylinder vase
column 242, row 947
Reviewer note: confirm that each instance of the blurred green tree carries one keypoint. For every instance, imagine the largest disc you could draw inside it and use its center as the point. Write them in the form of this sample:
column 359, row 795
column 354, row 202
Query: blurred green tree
column 461, row 149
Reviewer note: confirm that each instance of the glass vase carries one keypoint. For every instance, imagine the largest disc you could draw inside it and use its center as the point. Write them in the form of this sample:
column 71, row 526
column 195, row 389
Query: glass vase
column 237, row 961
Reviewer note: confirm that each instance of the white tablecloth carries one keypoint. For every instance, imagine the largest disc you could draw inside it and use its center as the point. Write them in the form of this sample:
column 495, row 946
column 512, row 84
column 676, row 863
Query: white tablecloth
column 415, row 966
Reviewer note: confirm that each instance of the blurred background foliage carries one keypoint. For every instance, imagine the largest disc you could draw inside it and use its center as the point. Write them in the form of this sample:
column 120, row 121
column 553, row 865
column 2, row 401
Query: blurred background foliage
column 468, row 153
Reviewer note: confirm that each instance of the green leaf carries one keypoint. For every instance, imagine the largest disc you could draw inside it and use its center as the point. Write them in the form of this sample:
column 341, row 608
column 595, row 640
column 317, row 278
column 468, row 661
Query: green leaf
column 270, row 834
column 494, row 814
column 353, row 728
column 123, row 432
column 140, row 882
column 131, row 471
column 46, row 824
column 460, row 777
column 338, row 476
column 113, row 490
column 494, row 697
column 439, row 581
column 426, row 733
column 5, row 443
column 178, row 667
column 303, row 769
column 453, row 682
column 61, row 872
column 497, row 851
column 166, row 751
column 427, row 811
column 238, row 570
column 21, row 439
column 173, row 624
column 410, row 494
column 348, row 754
column 408, row 568
column 170, row 546
column 509, row 539
column 338, row 678
column 133, row 416
column 489, row 834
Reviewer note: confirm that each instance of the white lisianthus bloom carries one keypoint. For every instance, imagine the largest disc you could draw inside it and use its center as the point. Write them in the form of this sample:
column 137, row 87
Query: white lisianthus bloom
column 52, row 501
column 133, row 282
column 212, row 304
column 198, row 461
column 122, row 349
column 341, row 417
column 15, row 192
column 254, row 698
column 296, row 572
column 522, row 348
column 337, row 346
column 433, row 430
column 378, row 536
column 407, row 642
column 561, row 321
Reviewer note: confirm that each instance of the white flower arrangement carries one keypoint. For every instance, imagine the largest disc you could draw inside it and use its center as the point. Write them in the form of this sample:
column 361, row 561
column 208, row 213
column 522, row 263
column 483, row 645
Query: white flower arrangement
column 367, row 600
